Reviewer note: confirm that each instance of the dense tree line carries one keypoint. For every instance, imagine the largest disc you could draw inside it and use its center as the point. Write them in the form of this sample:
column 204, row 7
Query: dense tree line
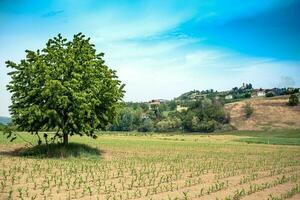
column 205, row 115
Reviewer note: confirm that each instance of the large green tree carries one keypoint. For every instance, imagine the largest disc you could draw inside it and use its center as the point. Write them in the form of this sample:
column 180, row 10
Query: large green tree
column 65, row 87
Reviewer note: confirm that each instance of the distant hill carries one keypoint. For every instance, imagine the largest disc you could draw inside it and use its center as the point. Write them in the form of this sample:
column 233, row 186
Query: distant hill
column 5, row 120
column 268, row 113
column 196, row 94
column 243, row 92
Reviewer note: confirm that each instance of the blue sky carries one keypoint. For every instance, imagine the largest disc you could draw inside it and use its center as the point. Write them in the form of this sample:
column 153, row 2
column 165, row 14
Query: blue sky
column 161, row 49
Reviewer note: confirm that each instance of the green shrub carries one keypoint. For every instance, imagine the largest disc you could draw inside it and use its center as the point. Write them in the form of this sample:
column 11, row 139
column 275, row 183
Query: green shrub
column 208, row 126
column 2, row 126
column 169, row 124
column 204, row 126
column 270, row 94
column 248, row 110
column 293, row 100
column 146, row 126
column 247, row 95
column 61, row 151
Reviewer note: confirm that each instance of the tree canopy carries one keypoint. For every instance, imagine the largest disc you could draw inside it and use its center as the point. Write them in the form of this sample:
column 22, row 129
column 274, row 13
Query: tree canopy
column 65, row 87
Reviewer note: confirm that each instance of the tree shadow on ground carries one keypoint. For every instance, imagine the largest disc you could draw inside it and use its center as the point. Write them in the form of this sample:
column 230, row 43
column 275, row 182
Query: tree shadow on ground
column 56, row 151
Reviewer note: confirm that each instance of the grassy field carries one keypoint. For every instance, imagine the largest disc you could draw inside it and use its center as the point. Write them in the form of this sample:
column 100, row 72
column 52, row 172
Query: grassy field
column 267, row 113
column 158, row 166
column 276, row 137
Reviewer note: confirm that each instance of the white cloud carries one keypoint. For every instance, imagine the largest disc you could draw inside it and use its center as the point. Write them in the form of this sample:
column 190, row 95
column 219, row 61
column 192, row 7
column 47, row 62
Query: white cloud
column 150, row 55
column 172, row 71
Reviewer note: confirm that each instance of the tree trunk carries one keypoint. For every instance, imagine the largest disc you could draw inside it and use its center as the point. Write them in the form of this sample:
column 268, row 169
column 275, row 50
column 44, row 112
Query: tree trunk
column 66, row 139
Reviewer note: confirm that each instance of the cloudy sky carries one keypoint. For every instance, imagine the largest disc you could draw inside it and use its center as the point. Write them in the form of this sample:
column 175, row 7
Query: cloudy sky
column 161, row 49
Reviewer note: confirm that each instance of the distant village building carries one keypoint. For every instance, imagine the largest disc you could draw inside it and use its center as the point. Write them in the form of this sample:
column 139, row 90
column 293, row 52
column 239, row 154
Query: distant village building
column 261, row 93
column 228, row 97
column 258, row 93
column 144, row 116
column 157, row 101
column 180, row 108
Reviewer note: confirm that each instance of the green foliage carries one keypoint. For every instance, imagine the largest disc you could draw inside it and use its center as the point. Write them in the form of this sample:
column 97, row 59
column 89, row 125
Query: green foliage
column 188, row 95
column 64, row 87
column 270, row 94
column 169, row 124
column 272, row 140
column 276, row 136
column 242, row 92
column 61, row 151
column 130, row 117
column 124, row 121
column 204, row 116
column 171, row 105
column 8, row 132
column 293, row 100
column 2, row 127
column 156, row 112
column 288, row 91
column 248, row 95
column 147, row 125
column 197, row 95
column 248, row 110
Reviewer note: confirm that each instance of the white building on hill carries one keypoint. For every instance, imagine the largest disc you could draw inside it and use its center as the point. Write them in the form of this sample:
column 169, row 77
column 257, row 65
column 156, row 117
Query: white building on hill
column 229, row 96
column 258, row 93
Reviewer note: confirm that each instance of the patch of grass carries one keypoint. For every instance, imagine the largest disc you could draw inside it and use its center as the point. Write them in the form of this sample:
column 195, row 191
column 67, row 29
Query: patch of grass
column 276, row 137
column 25, row 137
column 61, row 151
column 277, row 133
column 270, row 140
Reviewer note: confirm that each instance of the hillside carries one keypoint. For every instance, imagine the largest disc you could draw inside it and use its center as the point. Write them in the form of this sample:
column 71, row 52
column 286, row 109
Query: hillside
column 268, row 113
column 5, row 120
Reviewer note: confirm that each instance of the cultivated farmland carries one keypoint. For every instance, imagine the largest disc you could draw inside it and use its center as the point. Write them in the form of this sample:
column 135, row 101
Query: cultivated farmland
column 157, row 166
